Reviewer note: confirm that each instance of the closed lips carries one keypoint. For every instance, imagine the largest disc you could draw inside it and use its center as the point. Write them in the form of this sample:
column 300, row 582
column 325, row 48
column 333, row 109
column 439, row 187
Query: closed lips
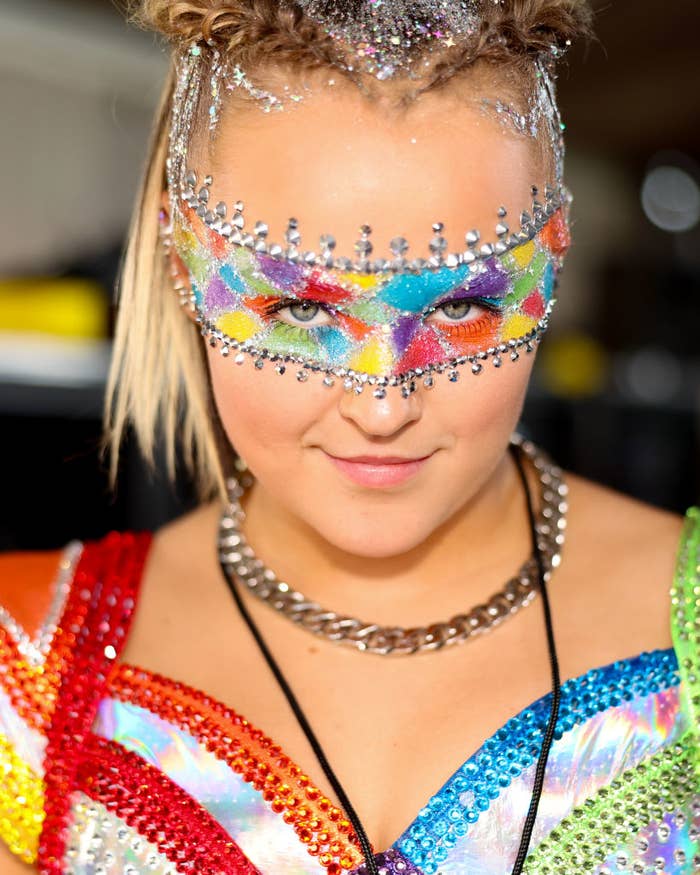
column 379, row 460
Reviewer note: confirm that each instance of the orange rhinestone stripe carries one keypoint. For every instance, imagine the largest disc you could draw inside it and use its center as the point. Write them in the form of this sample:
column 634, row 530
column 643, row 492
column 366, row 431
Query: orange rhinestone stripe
column 31, row 689
column 321, row 826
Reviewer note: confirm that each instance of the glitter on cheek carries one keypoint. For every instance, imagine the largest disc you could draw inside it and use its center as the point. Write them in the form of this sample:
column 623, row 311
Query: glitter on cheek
column 356, row 329
column 403, row 332
column 467, row 338
column 285, row 339
column 239, row 325
column 517, row 325
column 219, row 296
column 335, row 344
column 195, row 259
column 375, row 357
column 525, row 281
column 425, row 346
column 556, row 235
column 533, row 305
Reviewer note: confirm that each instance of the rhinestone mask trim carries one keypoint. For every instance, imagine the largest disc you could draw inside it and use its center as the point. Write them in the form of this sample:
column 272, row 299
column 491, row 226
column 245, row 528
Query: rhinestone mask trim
column 231, row 225
column 380, row 329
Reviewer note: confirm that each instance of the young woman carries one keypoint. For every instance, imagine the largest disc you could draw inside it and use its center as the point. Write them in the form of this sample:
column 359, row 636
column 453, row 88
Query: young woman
column 394, row 637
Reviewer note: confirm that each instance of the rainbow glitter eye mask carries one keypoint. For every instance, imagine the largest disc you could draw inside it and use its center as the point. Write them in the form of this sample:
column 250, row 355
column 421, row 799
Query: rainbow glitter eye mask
column 377, row 328
column 370, row 320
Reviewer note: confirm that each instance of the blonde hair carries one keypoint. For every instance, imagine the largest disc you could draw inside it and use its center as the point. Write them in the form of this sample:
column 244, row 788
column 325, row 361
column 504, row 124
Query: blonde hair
column 158, row 383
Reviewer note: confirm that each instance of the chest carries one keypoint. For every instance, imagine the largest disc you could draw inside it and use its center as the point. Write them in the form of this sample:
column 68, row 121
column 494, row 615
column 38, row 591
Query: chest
column 425, row 755
column 193, row 771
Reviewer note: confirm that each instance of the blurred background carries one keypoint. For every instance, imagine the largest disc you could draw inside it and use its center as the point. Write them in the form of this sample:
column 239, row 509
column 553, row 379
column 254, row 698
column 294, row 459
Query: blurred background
column 616, row 394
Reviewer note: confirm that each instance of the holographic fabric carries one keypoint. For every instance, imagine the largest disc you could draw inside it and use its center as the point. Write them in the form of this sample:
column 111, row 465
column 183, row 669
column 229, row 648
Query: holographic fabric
column 381, row 324
column 168, row 780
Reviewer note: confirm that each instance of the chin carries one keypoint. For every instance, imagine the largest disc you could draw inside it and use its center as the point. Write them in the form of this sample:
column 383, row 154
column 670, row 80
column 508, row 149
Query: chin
column 376, row 538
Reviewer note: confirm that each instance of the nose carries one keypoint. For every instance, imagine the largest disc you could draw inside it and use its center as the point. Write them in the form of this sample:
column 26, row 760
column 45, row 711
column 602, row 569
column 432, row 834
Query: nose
column 381, row 417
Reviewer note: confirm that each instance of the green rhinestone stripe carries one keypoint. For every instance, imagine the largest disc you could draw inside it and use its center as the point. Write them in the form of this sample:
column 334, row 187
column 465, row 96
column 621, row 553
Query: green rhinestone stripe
column 616, row 813
column 685, row 617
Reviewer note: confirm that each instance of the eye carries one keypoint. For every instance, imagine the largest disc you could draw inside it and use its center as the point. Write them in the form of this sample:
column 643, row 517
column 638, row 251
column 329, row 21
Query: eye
column 306, row 313
column 463, row 310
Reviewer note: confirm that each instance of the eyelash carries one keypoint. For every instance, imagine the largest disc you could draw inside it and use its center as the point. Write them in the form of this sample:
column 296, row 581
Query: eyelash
column 274, row 306
column 485, row 303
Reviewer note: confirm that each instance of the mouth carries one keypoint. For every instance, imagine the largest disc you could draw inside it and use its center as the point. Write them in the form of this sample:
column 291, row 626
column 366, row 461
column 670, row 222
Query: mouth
column 378, row 471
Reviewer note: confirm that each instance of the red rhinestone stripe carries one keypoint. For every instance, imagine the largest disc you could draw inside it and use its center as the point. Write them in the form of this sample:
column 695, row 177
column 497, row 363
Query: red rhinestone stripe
column 94, row 629
column 161, row 811
column 321, row 826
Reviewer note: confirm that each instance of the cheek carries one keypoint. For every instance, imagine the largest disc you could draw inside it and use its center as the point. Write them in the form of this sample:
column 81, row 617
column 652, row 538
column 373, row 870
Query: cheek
column 482, row 409
column 479, row 415
column 271, row 420
column 262, row 412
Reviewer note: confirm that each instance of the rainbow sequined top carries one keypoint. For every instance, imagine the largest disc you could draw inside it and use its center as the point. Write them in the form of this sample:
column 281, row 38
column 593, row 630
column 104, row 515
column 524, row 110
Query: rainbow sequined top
column 108, row 768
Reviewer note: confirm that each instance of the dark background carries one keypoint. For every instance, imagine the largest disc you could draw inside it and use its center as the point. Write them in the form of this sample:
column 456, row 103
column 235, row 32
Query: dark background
column 616, row 394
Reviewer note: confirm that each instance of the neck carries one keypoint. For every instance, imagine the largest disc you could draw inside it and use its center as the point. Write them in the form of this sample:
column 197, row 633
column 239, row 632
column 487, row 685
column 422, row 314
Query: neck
column 458, row 565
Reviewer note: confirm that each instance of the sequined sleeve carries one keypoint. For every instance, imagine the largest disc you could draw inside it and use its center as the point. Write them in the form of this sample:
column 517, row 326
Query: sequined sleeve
column 685, row 600
column 33, row 591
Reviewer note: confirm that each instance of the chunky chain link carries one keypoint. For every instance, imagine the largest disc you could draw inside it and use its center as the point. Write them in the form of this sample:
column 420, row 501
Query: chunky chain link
column 238, row 559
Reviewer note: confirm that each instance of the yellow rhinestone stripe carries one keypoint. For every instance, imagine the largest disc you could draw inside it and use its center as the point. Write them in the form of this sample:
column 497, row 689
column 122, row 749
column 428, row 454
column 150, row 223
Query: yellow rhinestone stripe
column 685, row 617
column 21, row 804
column 640, row 796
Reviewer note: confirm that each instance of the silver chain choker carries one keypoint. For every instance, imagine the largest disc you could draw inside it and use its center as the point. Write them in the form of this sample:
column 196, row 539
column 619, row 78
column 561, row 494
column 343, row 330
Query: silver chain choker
column 238, row 559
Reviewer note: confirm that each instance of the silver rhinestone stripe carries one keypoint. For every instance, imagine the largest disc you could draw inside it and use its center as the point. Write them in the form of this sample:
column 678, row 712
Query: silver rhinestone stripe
column 100, row 842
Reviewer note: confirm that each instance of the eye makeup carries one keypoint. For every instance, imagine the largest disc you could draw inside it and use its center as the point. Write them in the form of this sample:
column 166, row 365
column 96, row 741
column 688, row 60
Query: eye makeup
column 381, row 328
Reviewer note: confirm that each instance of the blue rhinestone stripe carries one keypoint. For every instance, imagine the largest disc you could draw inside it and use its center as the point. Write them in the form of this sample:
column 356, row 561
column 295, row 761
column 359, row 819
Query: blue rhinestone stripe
column 469, row 792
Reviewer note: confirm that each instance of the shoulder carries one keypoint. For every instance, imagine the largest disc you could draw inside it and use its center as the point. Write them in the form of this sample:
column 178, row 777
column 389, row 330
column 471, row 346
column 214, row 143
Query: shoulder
column 618, row 566
column 178, row 547
column 637, row 530
column 26, row 581
column 34, row 584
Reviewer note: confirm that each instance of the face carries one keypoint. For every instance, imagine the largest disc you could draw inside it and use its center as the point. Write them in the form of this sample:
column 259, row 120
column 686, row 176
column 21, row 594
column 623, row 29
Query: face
column 334, row 163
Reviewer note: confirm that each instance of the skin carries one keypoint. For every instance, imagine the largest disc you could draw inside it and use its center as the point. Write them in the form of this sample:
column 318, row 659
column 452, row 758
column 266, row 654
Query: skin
column 358, row 170
column 393, row 729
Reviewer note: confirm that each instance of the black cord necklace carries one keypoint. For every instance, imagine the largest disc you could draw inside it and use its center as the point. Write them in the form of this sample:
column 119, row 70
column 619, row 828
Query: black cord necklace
column 371, row 863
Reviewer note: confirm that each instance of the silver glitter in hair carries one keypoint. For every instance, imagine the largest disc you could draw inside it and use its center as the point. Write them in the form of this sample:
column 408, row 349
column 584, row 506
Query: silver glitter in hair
column 385, row 36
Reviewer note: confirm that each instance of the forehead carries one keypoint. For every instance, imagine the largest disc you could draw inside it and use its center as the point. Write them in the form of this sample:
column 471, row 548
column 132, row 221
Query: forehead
column 338, row 160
